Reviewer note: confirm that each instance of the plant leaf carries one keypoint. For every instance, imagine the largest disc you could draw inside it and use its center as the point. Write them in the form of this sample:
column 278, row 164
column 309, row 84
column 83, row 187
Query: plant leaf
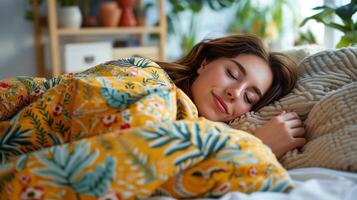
column 345, row 12
column 323, row 16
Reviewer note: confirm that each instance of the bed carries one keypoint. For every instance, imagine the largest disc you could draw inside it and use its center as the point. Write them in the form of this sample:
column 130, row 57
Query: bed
column 311, row 184
column 117, row 148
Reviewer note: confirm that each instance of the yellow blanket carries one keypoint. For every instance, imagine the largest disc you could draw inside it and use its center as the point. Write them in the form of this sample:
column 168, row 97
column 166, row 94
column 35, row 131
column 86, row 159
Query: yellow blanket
column 121, row 130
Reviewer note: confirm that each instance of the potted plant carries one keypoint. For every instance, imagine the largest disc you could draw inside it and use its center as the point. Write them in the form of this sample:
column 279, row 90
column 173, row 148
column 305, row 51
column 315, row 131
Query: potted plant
column 188, row 38
column 263, row 20
column 348, row 26
column 69, row 14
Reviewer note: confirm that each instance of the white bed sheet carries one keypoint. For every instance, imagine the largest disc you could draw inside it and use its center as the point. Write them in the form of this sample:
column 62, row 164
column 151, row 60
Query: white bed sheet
column 311, row 184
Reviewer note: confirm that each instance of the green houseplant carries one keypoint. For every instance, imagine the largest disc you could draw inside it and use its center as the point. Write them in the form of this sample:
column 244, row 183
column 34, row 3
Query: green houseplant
column 265, row 21
column 345, row 13
column 188, row 39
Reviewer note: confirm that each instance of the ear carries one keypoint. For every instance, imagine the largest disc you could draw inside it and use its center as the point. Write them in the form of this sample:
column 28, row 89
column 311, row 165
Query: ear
column 202, row 67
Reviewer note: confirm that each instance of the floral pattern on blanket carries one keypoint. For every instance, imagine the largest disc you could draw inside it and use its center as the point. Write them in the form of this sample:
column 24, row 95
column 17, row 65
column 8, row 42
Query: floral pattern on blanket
column 121, row 130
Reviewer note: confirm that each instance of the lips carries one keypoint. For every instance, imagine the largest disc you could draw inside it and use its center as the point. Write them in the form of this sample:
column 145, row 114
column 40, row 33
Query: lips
column 220, row 103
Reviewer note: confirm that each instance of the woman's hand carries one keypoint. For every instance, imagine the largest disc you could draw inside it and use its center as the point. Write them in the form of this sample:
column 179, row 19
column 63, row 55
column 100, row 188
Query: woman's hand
column 282, row 133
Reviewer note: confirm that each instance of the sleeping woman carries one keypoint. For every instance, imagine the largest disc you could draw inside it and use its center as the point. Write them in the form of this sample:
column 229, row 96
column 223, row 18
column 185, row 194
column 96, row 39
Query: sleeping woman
column 135, row 128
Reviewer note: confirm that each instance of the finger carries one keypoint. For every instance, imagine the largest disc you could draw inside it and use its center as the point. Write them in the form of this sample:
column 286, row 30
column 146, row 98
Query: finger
column 298, row 132
column 299, row 142
column 294, row 123
column 282, row 113
column 290, row 116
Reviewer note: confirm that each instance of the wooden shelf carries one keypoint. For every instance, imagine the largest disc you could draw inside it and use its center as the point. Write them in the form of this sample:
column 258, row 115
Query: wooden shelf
column 55, row 33
column 108, row 31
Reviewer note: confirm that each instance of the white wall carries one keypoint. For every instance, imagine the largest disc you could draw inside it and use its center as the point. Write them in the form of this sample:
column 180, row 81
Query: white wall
column 17, row 56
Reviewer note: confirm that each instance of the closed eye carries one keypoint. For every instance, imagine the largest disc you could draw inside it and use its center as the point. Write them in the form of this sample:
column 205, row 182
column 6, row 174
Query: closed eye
column 230, row 74
column 247, row 99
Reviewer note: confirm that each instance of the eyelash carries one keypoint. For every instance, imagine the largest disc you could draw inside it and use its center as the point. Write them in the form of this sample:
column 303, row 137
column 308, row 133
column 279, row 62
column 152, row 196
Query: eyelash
column 247, row 99
column 229, row 72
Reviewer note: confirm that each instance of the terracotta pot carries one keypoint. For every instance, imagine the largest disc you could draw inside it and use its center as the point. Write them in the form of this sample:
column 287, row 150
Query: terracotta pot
column 128, row 17
column 109, row 14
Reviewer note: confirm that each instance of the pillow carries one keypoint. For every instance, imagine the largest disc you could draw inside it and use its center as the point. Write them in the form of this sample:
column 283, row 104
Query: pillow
column 301, row 52
column 322, row 75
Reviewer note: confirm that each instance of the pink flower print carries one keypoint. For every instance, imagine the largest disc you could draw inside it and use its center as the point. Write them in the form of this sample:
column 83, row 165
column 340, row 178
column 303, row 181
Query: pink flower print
column 6, row 106
column 125, row 126
column 24, row 179
column 108, row 120
column 37, row 92
column 9, row 189
column 57, row 110
column 157, row 105
column 133, row 70
column 222, row 189
column 21, row 100
column 4, row 86
column 252, row 171
column 31, row 193
column 110, row 196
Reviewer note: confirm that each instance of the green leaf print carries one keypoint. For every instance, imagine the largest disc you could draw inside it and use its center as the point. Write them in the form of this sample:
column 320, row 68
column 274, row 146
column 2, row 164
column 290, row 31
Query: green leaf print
column 52, row 82
column 66, row 167
column 62, row 128
column 46, row 116
column 140, row 161
column 11, row 140
column 179, row 136
column 97, row 182
column 279, row 186
column 21, row 162
column 131, row 62
column 41, row 134
column 29, row 83
column 114, row 98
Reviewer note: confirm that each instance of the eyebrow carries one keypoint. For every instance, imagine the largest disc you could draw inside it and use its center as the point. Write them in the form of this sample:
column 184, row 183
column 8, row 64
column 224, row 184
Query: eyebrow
column 244, row 72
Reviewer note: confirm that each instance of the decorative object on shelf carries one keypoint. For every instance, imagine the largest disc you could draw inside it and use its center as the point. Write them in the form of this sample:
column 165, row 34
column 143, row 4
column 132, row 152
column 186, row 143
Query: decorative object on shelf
column 86, row 7
column 56, row 63
column 69, row 17
column 69, row 14
column 345, row 13
column 127, row 17
column 109, row 14
column 90, row 21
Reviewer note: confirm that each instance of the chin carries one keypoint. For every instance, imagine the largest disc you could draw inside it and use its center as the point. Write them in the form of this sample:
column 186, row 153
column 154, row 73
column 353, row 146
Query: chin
column 211, row 116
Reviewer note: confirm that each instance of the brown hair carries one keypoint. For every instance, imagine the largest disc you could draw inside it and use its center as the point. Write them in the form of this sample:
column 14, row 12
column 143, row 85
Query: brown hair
column 184, row 71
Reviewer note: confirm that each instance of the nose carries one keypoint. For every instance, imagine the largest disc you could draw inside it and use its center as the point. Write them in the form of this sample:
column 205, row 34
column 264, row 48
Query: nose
column 234, row 92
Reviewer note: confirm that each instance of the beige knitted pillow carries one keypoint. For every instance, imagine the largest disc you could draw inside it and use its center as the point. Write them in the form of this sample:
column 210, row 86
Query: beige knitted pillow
column 323, row 74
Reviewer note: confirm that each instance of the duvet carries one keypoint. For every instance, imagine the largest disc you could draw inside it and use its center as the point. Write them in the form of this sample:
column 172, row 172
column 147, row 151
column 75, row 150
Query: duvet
column 122, row 130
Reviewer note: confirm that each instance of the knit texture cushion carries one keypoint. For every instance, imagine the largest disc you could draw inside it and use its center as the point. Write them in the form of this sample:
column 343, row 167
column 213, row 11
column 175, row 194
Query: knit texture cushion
column 325, row 98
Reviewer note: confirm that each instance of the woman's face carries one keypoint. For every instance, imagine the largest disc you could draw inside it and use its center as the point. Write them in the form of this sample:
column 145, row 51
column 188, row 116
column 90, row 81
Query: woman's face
column 226, row 88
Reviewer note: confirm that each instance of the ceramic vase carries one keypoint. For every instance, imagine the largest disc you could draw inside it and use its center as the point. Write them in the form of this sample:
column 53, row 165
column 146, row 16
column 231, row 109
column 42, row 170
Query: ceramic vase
column 109, row 14
column 128, row 17
column 69, row 17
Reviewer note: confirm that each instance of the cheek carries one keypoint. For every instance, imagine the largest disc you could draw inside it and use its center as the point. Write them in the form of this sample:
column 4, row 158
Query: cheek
column 216, row 77
column 241, row 109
